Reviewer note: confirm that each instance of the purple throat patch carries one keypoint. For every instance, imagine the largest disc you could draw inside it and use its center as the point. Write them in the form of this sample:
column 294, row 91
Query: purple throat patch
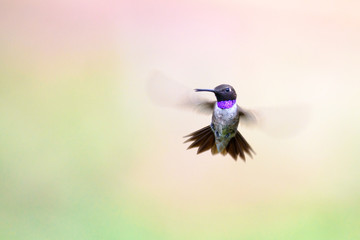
column 226, row 104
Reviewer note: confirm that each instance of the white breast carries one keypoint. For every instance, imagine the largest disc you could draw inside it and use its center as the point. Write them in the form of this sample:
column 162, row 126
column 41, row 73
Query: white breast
column 225, row 113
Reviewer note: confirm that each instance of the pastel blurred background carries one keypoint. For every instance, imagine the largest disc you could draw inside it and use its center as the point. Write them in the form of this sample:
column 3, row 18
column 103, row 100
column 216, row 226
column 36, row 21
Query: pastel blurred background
column 85, row 154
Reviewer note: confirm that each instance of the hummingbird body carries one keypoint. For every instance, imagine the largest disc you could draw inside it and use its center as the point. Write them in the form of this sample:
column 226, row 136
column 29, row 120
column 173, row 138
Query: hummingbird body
column 224, row 125
column 222, row 135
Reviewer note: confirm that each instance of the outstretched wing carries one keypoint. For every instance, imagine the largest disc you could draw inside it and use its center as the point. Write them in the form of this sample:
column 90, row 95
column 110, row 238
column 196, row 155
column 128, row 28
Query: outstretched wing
column 167, row 92
column 247, row 117
column 283, row 121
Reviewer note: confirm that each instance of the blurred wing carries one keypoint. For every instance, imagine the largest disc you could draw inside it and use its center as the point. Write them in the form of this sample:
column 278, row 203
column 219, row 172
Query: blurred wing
column 166, row 92
column 283, row 121
column 248, row 117
column 205, row 106
column 280, row 121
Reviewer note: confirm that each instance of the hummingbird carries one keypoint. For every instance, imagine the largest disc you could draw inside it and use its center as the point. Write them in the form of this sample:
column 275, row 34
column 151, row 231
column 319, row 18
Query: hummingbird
column 222, row 136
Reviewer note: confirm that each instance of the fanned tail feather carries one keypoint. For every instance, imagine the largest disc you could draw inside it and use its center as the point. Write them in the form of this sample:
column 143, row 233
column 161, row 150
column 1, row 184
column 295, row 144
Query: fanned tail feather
column 204, row 139
column 238, row 146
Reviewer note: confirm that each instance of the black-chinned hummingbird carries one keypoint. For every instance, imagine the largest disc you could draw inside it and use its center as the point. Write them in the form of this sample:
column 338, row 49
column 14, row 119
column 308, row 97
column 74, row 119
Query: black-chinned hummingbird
column 222, row 136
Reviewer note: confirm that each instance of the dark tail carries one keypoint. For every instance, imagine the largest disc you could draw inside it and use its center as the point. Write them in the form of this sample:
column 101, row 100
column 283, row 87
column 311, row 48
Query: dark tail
column 205, row 140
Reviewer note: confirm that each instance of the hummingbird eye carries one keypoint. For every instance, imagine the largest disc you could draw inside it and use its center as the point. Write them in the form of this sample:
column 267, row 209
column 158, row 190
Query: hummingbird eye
column 227, row 89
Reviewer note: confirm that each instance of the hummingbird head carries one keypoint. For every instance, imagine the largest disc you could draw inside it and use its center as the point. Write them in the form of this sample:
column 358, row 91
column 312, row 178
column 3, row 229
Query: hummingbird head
column 223, row 92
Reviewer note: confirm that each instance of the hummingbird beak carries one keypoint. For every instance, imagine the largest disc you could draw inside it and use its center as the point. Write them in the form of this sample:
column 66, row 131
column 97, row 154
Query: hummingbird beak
column 204, row 90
